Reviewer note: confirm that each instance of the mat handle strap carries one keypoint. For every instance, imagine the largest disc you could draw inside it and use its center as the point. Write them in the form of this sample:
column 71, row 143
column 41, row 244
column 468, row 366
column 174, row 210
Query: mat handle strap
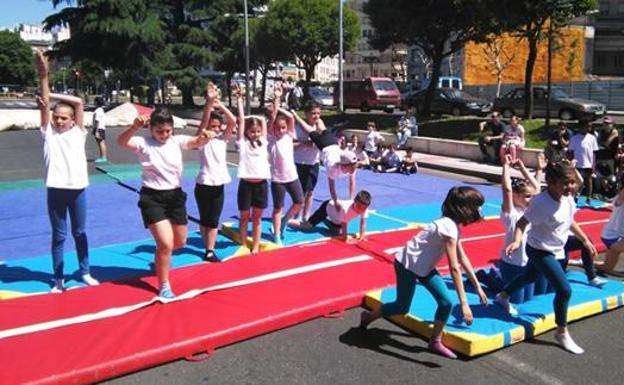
column 200, row 356
column 339, row 313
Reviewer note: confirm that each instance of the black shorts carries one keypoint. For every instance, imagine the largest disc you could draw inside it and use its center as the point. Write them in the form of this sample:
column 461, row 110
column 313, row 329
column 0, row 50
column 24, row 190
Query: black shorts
column 278, row 191
column 252, row 195
column 210, row 204
column 323, row 139
column 101, row 133
column 308, row 176
column 158, row 205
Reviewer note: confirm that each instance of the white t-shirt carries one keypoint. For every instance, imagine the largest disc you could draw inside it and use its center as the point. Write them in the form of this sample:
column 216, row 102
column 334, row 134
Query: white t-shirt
column 424, row 251
column 253, row 161
column 514, row 136
column 308, row 153
column 550, row 222
column 281, row 154
column 65, row 158
column 370, row 144
column 518, row 257
column 213, row 165
column 98, row 116
column 345, row 214
column 162, row 162
column 583, row 147
column 614, row 229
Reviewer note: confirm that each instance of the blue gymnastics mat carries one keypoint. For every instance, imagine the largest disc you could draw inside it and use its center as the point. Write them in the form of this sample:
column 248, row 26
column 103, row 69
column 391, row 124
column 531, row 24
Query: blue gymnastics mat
column 114, row 262
column 374, row 224
column 428, row 212
column 492, row 328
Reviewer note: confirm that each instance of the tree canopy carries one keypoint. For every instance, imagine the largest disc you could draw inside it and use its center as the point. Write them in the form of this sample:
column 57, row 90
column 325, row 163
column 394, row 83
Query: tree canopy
column 307, row 30
column 17, row 64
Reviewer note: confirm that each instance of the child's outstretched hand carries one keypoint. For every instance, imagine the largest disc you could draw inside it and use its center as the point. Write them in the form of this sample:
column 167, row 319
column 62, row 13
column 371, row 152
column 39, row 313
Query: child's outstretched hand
column 42, row 62
column 212, row 92
column 513, row 246
column 482, row 296
column 236, row 90
column 541, row 161
column 278, row 91
column 141, row 121
column 467, row 313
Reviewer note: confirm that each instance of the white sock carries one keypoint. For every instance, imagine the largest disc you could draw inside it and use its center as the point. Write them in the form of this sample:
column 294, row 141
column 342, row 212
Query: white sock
column 89, row 280
column 566, row 341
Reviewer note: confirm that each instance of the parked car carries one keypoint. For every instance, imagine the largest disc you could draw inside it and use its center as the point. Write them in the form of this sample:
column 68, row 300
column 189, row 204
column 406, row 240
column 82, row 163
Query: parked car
column 321, row 96
column 561, row 104
column 370, row 93
column 450, row 101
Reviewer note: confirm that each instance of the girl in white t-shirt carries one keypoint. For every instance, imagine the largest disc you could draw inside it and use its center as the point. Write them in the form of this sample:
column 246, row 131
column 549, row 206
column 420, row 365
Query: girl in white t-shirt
column 417, row 261
column 551, row 215
column 66, row 177
column 513, row 139
column 613, row 237
column 283, row 170
column 213, row 174
column 162, row 201
column 516, row 196
column 373, row 138
column 253, row 172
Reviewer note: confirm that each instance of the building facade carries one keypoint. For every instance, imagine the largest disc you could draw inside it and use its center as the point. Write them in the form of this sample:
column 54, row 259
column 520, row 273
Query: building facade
column 364, row 61
column 609, row 38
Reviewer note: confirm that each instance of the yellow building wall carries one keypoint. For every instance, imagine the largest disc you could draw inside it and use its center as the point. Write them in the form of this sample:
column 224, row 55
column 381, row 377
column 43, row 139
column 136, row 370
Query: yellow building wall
column 567, row 61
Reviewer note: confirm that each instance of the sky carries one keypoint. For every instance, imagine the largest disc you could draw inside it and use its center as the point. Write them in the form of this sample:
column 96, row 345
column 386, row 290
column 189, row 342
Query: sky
column 14, row 12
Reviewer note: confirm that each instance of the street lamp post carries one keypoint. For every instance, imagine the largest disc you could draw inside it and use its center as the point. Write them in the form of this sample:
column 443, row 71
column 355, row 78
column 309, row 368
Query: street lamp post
column 340, row 56
column 247, row 91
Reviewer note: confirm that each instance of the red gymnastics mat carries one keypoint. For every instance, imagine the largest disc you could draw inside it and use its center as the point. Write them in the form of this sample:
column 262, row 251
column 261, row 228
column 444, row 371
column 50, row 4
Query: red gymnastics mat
column 124, row 331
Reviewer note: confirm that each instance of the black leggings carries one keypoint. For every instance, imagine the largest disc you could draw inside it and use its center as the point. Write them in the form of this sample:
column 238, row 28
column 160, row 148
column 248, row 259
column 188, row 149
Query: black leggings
column 210, row 204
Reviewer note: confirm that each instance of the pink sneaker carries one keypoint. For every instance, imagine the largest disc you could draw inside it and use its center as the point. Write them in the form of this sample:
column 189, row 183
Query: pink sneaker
column 436, row 346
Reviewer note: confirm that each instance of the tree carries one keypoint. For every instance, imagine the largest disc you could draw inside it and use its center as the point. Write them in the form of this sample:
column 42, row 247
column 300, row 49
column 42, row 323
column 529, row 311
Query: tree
column 308, row 30
column 17, row 64
column 438, row 27
column 498, row 58
column 527, row 19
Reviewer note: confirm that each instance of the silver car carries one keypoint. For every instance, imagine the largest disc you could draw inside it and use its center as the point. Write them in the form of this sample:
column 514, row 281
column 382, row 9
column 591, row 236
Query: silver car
column 562, row 106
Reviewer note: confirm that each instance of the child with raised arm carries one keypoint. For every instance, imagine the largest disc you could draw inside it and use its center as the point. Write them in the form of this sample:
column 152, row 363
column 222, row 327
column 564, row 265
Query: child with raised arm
column 284, row 177
column 162, row 201
column 417, row 261
column 307, row 157
column 613, row 236
column 551, row 215
column 337, row 162
column 66, row 177
column 516, row 194
column 337, row 219
column 213, row 173
column 253, row 172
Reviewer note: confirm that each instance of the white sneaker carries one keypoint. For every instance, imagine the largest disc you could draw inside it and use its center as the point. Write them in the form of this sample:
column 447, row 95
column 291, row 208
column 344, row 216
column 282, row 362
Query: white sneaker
column 505, row 304
column 566, row 342
column 59, row 286
column 598, row 282
column 89, row 280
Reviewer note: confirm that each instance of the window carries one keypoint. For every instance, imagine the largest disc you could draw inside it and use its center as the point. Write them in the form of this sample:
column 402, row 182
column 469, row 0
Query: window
column 604, row 8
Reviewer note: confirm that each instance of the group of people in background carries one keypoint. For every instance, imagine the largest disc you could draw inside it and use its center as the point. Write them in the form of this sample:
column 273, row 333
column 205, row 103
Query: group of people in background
column 288, row 150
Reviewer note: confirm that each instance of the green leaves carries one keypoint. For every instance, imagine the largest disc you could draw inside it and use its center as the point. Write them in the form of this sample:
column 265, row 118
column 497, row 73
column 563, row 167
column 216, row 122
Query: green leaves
column 17, row 64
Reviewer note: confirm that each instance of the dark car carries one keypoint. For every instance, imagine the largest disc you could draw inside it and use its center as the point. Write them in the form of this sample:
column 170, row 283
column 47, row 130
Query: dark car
column 450, row 101
column 562, row 106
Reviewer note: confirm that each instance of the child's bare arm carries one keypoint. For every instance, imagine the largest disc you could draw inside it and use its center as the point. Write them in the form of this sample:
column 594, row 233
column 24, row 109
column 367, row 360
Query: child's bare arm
column 450, row 246
column 43, row 101
column 123, row 140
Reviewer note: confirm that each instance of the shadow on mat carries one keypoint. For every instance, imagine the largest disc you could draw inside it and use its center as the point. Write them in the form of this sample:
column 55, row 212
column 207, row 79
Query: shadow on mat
column 11, row 274
column 110, row 273
column 137, row 283
column 378, row 339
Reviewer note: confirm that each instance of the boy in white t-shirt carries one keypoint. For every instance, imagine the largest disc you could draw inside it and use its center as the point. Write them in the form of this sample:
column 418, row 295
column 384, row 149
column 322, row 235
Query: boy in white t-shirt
column 66, row 177
column 583, row 146
column 337, row 217
column 99, row 129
